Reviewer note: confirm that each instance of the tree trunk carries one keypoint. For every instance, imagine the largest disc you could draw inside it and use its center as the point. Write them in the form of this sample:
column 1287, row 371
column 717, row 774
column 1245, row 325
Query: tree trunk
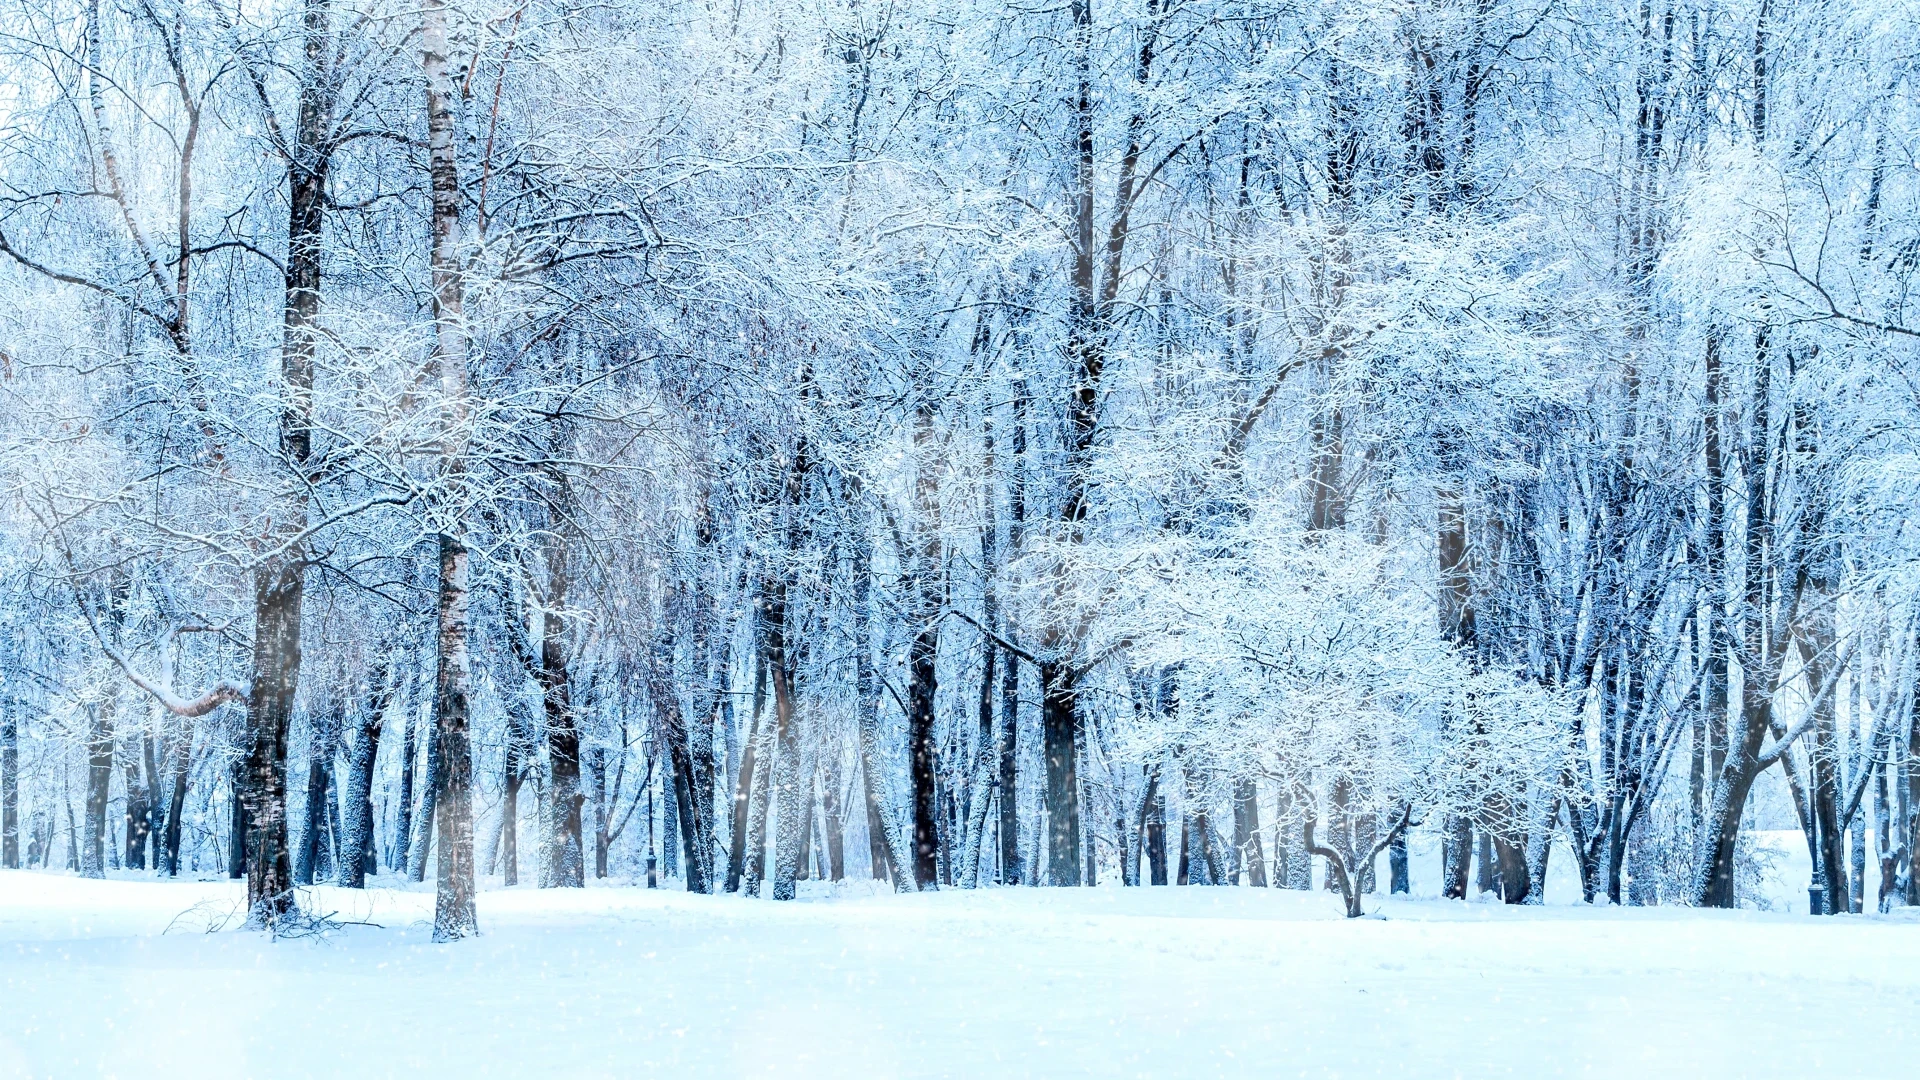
column 602, row 811
column 1153, row 830
column 759, row 802
column 836, row 826
column 423, row 818
column 922, row 656
column 179, row 755
column 236, row 821
column 357, row 845
column 1816, row 647
column 879, row 853
column 744, row 779
column 138, row 822
column 787, row 851
column 279, row 581
column 566, row 850
column 1714, row 882
column 1884, row 844
column 93, row 856
column 319, row 772
column 403, row 815
column 804, row 870
column 278, row 590
column 10, row 784
column 1714, row 629
column 1246, row 829
column 1009, row 793
column 1009, row 776
column 1456, row 854
column 1457, row 626
column 670, row 731
column 980, row 794
column 452, row 779
column 887, row 847
column 512, row 774
column 1060, row 734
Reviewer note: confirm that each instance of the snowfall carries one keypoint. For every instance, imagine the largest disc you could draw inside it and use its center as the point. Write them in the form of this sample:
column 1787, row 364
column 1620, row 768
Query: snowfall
column 137, row 977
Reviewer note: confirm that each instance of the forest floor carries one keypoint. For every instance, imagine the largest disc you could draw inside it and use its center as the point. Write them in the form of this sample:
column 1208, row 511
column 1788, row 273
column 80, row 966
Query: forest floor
column 121, row 977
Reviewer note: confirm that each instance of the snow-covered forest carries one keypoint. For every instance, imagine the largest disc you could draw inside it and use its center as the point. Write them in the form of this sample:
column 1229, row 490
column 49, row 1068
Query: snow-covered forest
column 722, row 446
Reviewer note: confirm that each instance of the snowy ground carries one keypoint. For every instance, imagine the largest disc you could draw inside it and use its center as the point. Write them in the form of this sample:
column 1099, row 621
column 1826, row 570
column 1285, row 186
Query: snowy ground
column 1109, row 982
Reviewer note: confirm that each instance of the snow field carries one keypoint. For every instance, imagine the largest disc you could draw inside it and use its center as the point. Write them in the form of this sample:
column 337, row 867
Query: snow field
column 623, row 982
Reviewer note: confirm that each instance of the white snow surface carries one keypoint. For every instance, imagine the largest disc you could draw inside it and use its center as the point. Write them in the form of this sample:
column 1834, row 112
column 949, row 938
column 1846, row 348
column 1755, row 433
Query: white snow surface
column 120, row 978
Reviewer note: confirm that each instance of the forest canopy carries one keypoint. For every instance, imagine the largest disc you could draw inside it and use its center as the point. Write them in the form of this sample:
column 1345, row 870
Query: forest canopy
column 959, row 443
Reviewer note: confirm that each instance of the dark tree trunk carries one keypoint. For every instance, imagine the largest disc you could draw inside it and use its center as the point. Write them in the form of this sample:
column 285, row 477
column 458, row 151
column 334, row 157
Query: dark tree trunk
column 602, row 839
column 923, row 654
column 278, row 589
column 237, row 822
column 670, row 817
column 922, row 657
column 686, row 813
column 93, row 855
column 307, row 863
column 1153, row 830
column 1009, row 778
column 137, row 825
column 709, row 676
column 357, row 846
column 279, row 581
column 1510, row 870
column 10, row 785
column 403, row 816
column 1714, row 887
column 179, row 761
column 1060, row 734
column 1009, row 793
column 324, row 852
column 1483, row 881
column 566, row 848
column 1824, row 755
column 670, row 730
